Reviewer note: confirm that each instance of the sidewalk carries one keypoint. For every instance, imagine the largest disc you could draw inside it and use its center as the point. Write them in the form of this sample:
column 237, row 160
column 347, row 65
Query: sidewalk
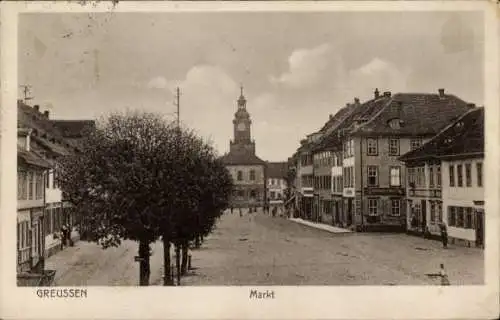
column 320, row 226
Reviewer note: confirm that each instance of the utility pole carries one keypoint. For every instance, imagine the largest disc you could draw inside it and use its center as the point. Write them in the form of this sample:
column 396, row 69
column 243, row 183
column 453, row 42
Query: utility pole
column 26, row 92
column 177, row 103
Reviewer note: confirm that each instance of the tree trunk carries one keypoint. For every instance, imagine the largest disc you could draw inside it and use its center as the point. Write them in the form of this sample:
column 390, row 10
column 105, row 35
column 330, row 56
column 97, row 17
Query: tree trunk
column 144, row 269
column 167, row 280
column 178, row 263
column 185, row 250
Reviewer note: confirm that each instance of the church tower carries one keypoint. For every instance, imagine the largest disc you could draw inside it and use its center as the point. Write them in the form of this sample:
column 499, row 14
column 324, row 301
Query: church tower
column 242, row 141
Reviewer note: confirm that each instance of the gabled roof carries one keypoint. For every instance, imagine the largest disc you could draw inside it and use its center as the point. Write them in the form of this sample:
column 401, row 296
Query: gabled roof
column 73, row 128
column 464, row 137
column 359, row 112
column 419, row 114
column 277, row 170
column 241, row 158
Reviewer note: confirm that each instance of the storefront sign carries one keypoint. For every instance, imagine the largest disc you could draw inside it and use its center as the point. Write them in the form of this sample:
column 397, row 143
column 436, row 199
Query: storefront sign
column 385, row 191
column 348, row 192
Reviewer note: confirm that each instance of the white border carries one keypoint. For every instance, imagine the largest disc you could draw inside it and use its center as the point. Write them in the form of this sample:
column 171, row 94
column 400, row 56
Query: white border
column 232, row 302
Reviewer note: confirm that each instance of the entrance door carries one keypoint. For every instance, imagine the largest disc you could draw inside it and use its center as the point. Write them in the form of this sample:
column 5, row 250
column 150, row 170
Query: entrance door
column 479, row 228
column 349, row 212
column 423, row 205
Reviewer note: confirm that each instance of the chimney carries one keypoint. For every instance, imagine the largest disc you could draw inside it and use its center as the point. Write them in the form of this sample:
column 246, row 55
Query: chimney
column 377, row 93
column 356, row 101
column 36, row 107
column 331, row 116
column 46, row 114
column 441, row 92
column 387, row 94
column 471, row 105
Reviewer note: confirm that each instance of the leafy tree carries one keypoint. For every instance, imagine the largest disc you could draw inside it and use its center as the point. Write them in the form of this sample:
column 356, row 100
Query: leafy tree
column 141, row 178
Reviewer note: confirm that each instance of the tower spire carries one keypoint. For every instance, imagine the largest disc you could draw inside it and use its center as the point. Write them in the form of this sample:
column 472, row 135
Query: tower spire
column 241, row 90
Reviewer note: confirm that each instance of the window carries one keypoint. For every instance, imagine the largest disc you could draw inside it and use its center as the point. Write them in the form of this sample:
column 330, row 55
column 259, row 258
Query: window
column 394, row 147
column 372, row 147
column 22, row 188
column 433, row 211
column 278, row 195
column 415, row 143
column 468, row 218
column 395, row 123
column 452, row 175
column 252, row 175
column 479, row 169
column 373, row 207
column 451, row 216
column 411, row 176
column 240, row 176
column 431, row 176
column 272, row 195
column 30, row 185
column 439, row 208
column 460, row 216
column 395, row 176
column 468, row 175
column 438, row 176
column 395, row 207
column 420, row 177
column 47, row 181
column 253, row 194
column 460, row 178
column 372, row 176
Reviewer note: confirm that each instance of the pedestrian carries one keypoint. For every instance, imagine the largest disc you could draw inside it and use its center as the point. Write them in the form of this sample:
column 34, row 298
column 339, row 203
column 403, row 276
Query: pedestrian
column 444, row 235
column 241, row 213
column 231, row 209
column 63, row 236
column 444, row 277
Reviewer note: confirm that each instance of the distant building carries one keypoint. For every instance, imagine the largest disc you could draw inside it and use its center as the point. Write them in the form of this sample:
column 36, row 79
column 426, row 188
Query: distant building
column 277, row 184
column 246, row 168
column 445, row 182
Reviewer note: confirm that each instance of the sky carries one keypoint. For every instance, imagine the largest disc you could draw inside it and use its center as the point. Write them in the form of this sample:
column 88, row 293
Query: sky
column 296, row 68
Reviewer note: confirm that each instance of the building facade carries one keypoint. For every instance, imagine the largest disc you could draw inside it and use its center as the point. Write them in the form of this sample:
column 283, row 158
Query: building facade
column 445, row 183
column 248, row 170
column 31, row 174
column 371, row 138
column 277, row 185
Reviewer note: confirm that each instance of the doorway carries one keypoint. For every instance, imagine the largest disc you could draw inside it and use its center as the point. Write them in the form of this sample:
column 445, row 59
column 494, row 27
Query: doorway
column 480, row 228
column 349, row 212
column 423, row 205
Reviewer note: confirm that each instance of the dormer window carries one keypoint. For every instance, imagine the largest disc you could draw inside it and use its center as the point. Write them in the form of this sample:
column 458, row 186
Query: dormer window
column 459, row 125
column 395, row 123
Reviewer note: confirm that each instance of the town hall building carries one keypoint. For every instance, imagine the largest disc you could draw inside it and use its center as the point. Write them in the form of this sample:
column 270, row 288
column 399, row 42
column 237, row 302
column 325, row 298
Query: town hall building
column 248, row 170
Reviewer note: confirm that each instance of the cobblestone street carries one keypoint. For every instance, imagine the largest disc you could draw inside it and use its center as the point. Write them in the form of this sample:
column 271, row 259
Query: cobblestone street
column 261, row 250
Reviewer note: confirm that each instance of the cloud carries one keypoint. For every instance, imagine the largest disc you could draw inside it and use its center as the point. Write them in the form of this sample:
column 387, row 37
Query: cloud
column 208, row 102
column 305, row 67
column 158, row 83
column 378, row 73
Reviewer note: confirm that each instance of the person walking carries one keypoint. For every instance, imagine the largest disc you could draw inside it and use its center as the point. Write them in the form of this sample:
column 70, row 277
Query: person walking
column 444, row 235
column 231, row 209
column 63, row 236
column 241, row 213
column 444, row 277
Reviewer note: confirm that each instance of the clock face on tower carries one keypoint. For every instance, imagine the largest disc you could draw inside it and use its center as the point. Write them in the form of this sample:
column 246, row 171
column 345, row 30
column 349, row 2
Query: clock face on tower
column 241, row 126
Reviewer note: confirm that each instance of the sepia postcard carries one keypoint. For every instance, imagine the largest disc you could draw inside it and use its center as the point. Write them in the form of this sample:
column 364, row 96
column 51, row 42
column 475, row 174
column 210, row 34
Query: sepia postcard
column 248, row 160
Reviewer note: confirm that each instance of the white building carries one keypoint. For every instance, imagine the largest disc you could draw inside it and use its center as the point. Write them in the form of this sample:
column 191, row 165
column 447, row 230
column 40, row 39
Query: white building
column 456, row 154
column 276, row 185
